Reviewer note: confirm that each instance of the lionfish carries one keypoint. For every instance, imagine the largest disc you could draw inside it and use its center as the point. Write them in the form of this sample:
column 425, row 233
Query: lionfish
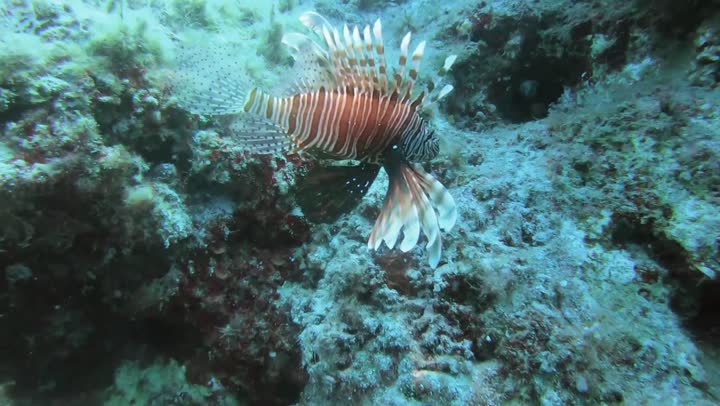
column 345, row 106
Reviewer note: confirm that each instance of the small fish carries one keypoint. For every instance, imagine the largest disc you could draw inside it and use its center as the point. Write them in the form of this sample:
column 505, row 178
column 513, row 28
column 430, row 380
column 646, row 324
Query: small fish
column 344, row 106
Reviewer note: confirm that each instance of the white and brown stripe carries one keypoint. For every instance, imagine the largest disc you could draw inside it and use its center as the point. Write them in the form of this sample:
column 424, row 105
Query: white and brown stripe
column 344, row 122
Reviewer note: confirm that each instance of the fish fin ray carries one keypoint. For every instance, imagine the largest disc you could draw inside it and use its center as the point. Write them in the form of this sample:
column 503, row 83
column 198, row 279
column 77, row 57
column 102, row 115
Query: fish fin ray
column 409, row 205
column 260, row 136
column 207, row 80
column 311, row 70
column 327, row 192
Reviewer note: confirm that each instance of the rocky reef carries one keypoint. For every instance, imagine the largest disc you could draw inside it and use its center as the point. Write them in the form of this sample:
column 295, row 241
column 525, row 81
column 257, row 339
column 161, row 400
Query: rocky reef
column 148, row 259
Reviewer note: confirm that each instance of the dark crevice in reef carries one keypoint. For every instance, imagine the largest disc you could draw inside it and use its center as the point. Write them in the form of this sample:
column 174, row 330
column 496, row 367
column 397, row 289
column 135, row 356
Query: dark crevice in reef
column 631, row 230
column 533, row 62
column 695, row 298
column 525, row 91
column 65, row 325
column 13, row 113
column 705, row 320
column 63, row 334
column 528, row 74
column 678, row 19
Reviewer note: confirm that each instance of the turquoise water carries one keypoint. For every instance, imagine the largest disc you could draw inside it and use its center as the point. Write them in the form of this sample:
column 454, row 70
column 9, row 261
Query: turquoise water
column 226, row 202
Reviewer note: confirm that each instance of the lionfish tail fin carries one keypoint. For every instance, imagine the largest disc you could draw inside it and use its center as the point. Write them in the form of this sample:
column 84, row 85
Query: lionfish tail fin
column 208, row 79
column 408, row 206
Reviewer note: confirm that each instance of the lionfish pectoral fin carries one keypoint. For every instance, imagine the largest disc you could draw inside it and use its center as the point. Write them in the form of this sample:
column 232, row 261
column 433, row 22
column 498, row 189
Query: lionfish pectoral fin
column 408, row 206
column 327, row 192
column 257, row 135
column 311, row 68
column 206, row 79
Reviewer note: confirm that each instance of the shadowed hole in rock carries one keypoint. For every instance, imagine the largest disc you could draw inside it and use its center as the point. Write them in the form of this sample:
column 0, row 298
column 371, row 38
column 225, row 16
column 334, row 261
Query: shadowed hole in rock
column 694, row 298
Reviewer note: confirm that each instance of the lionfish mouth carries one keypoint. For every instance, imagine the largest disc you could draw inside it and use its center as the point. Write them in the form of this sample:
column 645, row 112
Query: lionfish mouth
column 409, row 207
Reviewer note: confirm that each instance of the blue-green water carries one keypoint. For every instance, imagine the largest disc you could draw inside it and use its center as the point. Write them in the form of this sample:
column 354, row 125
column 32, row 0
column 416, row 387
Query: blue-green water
column 214, row 202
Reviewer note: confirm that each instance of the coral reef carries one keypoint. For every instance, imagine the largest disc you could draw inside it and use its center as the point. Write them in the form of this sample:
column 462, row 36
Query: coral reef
column 107, row 207
column 707, row 59
column 147, row 258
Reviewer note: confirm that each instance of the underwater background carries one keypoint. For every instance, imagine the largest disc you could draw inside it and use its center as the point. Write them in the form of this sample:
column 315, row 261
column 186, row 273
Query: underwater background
column 148, row 259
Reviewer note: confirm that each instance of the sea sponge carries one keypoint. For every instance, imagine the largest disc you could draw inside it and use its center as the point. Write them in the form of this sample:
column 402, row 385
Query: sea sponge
column 140, row 197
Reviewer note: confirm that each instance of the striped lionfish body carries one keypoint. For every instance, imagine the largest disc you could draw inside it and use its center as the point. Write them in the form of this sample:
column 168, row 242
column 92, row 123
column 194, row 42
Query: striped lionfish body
column 347, row 107
column 346, row 123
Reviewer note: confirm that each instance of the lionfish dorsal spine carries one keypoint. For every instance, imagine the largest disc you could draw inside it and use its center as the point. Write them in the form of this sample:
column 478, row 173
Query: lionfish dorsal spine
column 371, row 70
column 399, row 75
column 414, row 69
column 380, row 49
column 355, row 57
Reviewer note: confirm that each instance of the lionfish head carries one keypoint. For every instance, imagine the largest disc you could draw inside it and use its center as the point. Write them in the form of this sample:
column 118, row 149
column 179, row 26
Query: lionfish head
column 422, row 146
